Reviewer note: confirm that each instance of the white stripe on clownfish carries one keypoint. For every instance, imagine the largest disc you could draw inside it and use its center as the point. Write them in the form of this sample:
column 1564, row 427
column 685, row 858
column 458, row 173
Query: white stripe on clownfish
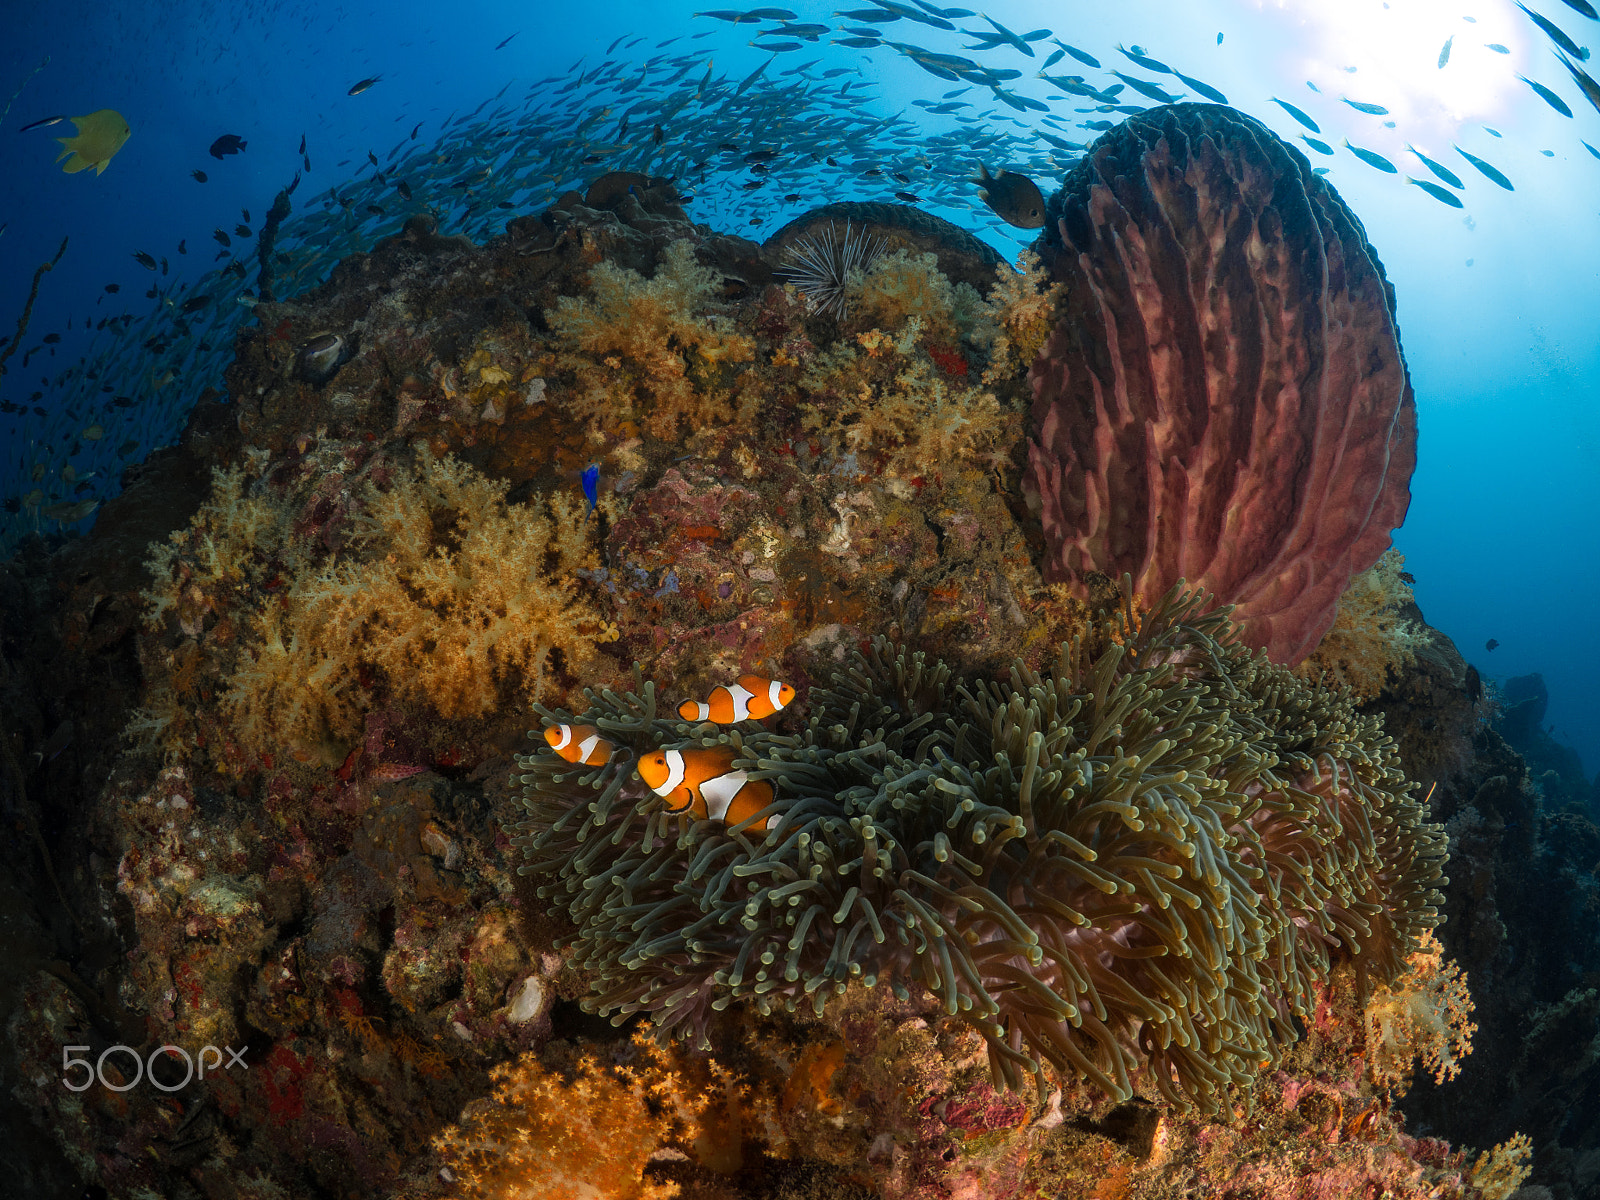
column 579, row 744
column 750, row 698
column 702, row 780
column 719, row 793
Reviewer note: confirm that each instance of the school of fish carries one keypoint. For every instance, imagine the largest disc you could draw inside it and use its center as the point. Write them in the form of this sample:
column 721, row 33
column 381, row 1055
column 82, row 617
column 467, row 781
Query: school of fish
column 749, row 151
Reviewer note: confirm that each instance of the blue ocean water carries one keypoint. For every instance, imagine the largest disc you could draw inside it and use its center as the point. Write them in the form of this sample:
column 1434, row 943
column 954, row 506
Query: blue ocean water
column 489, row 110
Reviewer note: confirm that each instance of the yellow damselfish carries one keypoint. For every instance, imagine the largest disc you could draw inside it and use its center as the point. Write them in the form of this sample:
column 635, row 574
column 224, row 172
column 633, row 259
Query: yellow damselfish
column 99, row 136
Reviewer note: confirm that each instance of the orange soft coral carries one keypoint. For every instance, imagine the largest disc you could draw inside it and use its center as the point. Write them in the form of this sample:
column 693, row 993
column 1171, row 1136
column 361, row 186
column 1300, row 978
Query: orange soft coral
column 591, row 1137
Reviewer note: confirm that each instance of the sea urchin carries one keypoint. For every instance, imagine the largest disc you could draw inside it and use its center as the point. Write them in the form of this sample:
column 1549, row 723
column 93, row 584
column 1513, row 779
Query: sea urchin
column 819, row 264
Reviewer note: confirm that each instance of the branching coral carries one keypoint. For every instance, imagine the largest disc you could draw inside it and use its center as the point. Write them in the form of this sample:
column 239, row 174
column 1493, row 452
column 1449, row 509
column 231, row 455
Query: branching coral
column 1141, row 860
column 1426, row 1014
column 1500, row 1172
column 540, row 1137
column 1369, row 638
column 652, row 347
column 455, row 600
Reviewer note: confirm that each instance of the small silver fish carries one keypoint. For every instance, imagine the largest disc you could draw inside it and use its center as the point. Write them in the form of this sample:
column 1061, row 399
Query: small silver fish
column 71, row 514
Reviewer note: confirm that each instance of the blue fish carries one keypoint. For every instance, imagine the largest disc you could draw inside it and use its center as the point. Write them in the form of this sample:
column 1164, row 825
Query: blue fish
column 591, row 485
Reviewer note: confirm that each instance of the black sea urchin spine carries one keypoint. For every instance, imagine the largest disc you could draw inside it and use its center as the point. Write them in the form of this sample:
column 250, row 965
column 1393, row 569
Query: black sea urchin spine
column 820, row 264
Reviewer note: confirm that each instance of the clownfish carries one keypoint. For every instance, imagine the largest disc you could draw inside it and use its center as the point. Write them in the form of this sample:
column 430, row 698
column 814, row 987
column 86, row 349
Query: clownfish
column 750, row 699
column 579, row 744
column 701, row 779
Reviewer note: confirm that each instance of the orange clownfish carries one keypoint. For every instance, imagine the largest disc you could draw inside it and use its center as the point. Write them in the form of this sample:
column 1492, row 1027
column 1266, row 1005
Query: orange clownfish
column 702, row 780
column 751, row 698
column 579, row 744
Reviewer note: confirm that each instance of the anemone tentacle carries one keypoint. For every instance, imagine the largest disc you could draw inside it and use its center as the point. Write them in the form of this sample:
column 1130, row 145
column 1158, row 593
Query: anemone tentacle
column 1144, row 861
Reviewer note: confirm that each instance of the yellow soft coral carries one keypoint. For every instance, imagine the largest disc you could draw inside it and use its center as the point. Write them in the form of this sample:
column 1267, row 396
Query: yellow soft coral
column 456, row 594
column 1426, row 1014
column 1369, row 638
column 1018, row 317
column 899, row 411
column 450, row 599
column 228, row 540
column 904, row 286
column 1500, row 1172
column 651, row 347
column 591, row 1138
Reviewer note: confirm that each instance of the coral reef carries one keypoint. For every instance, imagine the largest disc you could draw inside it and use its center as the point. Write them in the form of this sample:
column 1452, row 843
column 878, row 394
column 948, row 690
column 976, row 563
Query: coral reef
column 1022, row 307
column 1498, row 1173
column 1026, row 852
column 1426, row 1014
column 899, row 410
column 1223, row 398
column 1521, row 920
column 1556, row 769
column 457, row 479
column 897, row 288
column 593, row 1134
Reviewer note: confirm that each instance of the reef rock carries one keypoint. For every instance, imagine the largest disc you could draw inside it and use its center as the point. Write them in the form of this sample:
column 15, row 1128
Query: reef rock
column 1223, row 398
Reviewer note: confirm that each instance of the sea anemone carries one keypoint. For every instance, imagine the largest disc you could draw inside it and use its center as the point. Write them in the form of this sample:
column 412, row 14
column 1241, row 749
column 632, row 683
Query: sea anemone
column 1142, row 860
column 820, row 263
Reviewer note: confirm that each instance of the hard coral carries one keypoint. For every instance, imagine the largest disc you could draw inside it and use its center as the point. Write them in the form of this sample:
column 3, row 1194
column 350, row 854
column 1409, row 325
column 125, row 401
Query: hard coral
column 1223, row 398
column 1141, row 860
column 654, row 348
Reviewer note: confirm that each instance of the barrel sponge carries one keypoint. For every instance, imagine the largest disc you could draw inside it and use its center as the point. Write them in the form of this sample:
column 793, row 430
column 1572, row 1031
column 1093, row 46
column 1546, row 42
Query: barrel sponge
column 1145, row 860
column 1223, row 397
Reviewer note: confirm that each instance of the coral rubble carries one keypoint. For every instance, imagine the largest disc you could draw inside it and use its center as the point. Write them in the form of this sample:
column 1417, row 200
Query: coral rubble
column 1223, row 398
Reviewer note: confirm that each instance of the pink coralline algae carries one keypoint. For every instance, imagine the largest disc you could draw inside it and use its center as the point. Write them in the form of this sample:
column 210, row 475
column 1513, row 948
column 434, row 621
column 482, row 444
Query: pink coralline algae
column 1223, row 398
